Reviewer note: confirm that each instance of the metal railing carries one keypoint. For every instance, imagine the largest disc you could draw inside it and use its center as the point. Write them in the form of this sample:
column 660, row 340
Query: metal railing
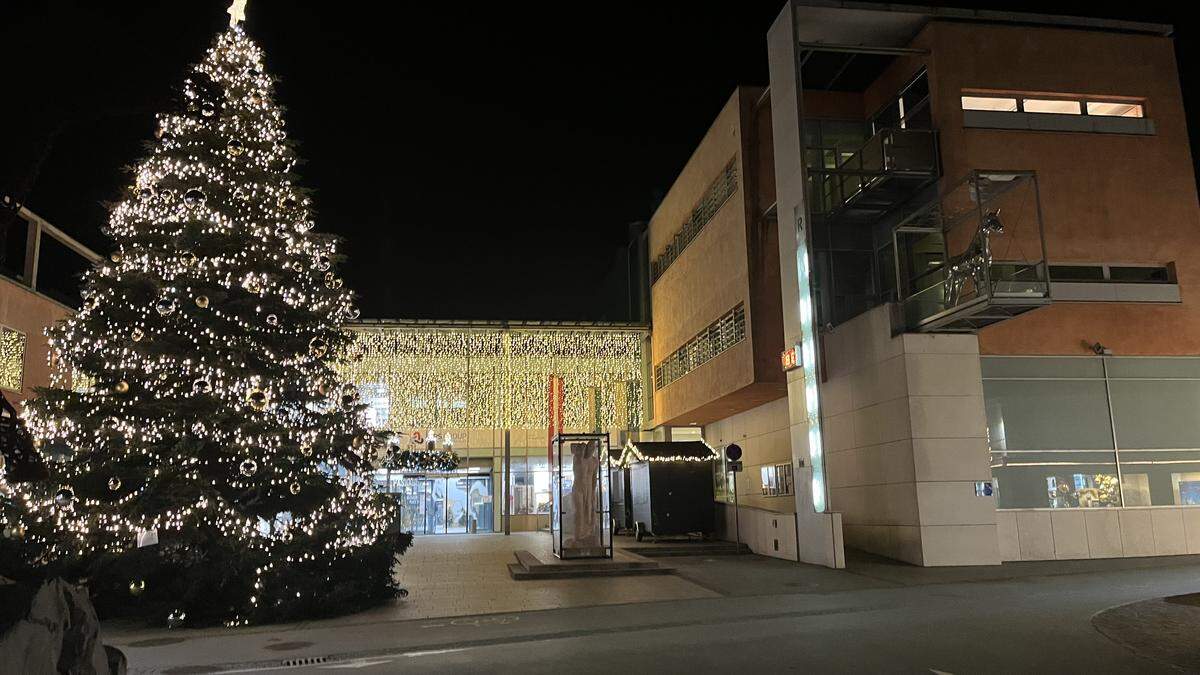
column 891, row 152
column 29, row 269
column 979, row 247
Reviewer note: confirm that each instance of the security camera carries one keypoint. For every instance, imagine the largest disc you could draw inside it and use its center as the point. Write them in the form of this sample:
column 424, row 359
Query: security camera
column 1101, row 350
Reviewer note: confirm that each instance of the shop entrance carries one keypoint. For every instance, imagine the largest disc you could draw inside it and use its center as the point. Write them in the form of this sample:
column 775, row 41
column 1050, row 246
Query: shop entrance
column 451, row 504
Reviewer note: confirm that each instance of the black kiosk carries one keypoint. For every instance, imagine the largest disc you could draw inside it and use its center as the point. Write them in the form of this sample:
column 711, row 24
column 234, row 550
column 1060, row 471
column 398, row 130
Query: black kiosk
column 670, row 488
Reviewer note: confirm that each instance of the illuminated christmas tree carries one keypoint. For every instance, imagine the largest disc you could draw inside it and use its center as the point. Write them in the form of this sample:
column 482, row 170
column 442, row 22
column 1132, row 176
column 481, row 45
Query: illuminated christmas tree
column 211, row 468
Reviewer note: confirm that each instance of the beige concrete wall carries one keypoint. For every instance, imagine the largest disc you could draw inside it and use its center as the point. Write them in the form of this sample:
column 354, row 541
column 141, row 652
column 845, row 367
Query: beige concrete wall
column 762, row 433
column 1069, row 534
column 905, row 442
column 727, row 264
column 31, row 313
column 765, row 532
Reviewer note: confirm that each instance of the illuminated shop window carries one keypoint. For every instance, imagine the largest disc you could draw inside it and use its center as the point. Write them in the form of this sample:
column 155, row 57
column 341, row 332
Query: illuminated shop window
column 776, row 479
column 1134, row 437
column 12, row 358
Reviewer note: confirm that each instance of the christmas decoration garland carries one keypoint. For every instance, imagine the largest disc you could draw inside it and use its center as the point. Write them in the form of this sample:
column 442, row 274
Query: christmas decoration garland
column 431, row 461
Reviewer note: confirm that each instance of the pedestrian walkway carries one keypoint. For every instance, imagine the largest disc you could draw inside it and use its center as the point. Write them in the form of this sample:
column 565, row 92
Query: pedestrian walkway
column 467, row 575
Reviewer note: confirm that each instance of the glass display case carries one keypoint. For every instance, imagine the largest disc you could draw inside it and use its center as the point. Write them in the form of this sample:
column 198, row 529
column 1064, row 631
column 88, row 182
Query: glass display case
column 581, row 518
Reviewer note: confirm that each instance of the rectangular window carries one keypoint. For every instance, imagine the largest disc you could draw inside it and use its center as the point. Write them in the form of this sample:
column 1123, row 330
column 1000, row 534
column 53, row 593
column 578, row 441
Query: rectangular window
column 1141, row 275
column 1123, row 274
column 769, row 486
column 719, row 192
column 720, row 335
column 1038, row 461
column 12, row 359
column 1061, row 105
column 1054, row 106
column 1114, row 109
column 995, row 103
column 1076, row 273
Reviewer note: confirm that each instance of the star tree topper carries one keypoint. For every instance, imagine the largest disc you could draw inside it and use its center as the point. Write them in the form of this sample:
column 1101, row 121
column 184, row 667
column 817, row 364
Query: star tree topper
column 237, row 13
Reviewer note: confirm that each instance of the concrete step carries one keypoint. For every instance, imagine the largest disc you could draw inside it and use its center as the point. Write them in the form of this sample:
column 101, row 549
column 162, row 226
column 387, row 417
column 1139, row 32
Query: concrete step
column 683, row 548
column 528, row 566
column 522, row 573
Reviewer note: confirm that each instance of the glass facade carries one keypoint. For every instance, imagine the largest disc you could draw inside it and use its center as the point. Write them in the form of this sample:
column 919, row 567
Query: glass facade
column 1093, row 432
column 465, row 386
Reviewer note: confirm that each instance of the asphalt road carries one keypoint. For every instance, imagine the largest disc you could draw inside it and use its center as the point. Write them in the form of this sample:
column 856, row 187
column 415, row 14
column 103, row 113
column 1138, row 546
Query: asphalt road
column 1030, row 624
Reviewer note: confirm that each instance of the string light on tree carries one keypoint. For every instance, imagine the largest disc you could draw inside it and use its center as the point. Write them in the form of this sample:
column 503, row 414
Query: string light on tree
column 185, row 407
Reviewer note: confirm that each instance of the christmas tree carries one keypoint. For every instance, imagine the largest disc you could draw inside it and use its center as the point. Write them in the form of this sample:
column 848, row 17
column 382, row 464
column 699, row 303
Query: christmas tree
column 210, row 465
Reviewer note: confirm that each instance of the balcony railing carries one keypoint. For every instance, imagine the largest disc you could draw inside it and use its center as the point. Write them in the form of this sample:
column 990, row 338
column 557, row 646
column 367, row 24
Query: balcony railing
column 43, row 258
column 888, row 169
column 973, row 256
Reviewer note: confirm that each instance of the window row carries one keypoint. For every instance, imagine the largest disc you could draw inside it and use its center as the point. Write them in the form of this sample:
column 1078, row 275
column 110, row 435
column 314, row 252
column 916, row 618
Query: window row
column 721, row 189
column 720, row 335
column 1093, row 432
column 1053, row 105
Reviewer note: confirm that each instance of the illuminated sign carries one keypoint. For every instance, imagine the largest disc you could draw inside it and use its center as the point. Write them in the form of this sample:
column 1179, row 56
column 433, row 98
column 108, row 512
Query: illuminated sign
column 790, row 358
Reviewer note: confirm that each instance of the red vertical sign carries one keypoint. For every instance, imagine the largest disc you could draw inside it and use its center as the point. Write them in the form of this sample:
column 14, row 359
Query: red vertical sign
column 555, row 408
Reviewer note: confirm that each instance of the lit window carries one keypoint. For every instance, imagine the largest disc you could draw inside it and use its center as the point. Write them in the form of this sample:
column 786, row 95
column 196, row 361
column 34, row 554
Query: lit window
column 12, row 358
column 989, row 103
column 1113, row 109
column 1058, row 107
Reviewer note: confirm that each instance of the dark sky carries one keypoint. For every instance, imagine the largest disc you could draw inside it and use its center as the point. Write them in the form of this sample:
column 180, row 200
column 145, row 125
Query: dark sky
column 483, row 160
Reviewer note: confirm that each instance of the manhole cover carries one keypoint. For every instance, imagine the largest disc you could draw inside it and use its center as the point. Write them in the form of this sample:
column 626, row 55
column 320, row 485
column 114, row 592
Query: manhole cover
column 288, row 646
column 157, row 642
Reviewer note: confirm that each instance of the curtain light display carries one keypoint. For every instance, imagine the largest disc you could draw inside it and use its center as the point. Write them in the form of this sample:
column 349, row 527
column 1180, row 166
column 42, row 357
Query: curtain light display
column 498, row 378
column 210, row 411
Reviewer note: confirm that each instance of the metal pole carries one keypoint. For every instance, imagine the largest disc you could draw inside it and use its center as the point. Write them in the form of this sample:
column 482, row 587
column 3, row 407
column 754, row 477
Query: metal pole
column 1112, row 423
column 507, row 484
column 737, row 515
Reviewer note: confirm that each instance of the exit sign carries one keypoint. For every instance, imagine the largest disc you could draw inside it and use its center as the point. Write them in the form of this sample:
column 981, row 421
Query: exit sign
column 790, row 358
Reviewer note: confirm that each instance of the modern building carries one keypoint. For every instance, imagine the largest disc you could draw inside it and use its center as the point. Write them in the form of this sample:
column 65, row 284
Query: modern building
column 38, row 286
column 491, row 390
column 983, row 227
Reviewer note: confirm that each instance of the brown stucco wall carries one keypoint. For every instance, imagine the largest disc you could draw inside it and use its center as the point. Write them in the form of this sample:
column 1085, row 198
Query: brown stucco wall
column 30, row 313
column 1105, row 197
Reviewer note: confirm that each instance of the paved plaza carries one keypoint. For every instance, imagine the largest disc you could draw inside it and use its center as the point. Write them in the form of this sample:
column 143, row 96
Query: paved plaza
column 740, row 613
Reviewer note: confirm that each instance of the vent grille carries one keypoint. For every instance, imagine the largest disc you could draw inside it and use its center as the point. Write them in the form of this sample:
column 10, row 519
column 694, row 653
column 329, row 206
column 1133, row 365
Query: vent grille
column 720, row 335
column 714, row 198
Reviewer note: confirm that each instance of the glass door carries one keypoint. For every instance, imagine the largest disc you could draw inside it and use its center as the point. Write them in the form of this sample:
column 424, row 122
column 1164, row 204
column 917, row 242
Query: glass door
column 413, row 497
column 457, row 514
column 479, row 503
column 435, row 515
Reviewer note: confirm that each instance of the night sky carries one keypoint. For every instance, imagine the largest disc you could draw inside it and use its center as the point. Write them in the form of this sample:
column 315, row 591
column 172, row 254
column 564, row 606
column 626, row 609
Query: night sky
column 483, row 160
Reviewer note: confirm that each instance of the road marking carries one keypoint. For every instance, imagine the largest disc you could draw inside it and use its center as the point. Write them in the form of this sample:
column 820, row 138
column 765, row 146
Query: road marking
column 357, row 663
column 431, row 652
column 939, row 672
column 475, row 621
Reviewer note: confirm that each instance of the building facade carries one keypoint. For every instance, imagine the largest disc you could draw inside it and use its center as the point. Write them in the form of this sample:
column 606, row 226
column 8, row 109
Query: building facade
column 487, row 391
column 38, row 278
column 987, row 231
